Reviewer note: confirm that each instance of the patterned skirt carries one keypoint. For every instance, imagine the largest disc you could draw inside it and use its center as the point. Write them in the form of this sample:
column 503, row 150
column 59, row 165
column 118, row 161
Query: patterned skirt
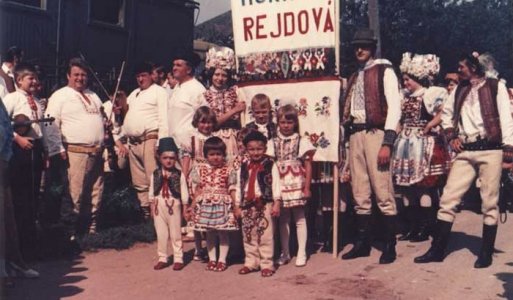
column 292, row 179
column 214, row 212
column 419, row 159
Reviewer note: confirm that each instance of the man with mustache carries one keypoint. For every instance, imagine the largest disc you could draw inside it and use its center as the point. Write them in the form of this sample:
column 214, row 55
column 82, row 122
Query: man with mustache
column 372, row 110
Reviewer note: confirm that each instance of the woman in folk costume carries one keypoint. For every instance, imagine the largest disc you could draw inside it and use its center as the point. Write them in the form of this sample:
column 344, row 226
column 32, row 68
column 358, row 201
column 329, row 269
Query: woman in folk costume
column 223, row 97
column 421, row 158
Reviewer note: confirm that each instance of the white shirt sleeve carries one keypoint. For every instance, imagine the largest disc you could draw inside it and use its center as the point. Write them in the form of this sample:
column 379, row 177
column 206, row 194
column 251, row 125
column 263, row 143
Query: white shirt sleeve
column 53, row 132
column 238, row 189
column 393, row 97
column 276, row 183
column 505, row 115
column 448, row 111
column 162, row 106
column 184, row 190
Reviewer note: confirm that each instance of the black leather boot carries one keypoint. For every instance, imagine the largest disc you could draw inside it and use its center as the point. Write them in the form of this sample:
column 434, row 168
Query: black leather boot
column 388, row 256
column 436, row 252
column 361, row 246
column 412, row 216
column 484, row 259
column 425, row 225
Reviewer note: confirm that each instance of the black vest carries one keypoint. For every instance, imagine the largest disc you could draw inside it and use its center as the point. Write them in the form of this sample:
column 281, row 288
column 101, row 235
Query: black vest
column 173, row 182
column 271, row 129
column 264, row 180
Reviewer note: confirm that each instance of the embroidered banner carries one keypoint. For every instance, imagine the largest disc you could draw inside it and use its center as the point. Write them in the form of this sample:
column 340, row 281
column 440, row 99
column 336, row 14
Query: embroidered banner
column 287, row 50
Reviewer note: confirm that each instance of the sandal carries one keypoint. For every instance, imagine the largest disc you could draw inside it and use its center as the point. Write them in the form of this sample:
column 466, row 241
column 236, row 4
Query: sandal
column 221, row 266
column 211, row 266
column 267, row 273
column 245, row 270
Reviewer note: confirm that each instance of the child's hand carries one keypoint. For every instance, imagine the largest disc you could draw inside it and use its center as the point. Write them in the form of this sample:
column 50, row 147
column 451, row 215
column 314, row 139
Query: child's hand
column 307, row 193
column 275, row 212
column 153, row 209
column 507, row 166
column 237, row 212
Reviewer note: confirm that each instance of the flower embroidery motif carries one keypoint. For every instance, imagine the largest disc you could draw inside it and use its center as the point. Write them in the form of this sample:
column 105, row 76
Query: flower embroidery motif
column 322, row 108
column 318, row 140
column 302, row 107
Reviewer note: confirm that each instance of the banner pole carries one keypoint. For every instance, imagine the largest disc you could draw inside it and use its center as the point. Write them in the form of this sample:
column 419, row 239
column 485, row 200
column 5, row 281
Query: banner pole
column 335, row 165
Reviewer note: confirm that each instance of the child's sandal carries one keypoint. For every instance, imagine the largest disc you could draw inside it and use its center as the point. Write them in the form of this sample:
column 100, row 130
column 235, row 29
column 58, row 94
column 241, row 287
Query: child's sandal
column 221, row 266
column 211, row 266
column 267, row 273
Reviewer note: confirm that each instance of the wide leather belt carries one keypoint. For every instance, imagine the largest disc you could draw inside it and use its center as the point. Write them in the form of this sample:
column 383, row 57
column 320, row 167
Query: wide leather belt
column 84, row 149
column 481, row 145
column 354, row 128
column 141, row 139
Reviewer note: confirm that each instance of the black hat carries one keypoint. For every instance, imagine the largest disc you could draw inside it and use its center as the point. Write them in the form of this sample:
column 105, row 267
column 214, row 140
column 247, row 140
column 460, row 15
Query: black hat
column 167, row 144
column 364, row 36
column 254, row 135
column 143, row 67
column 192, row 58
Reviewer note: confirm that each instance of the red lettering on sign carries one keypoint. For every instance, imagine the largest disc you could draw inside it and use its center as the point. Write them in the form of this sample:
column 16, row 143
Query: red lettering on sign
column 248, row 24
column 303, row 22
column 260, row 26
column 290, row 23
column 317, row 17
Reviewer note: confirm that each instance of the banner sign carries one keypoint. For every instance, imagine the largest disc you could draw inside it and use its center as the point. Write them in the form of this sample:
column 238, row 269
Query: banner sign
column 287, row 50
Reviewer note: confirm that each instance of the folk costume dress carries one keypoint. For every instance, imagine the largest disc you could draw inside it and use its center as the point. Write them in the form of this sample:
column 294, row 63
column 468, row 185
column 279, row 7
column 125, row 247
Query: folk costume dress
column 289, row 152
column 194, row 146
column 213, row 205
column 222, row 101
column 420, row 158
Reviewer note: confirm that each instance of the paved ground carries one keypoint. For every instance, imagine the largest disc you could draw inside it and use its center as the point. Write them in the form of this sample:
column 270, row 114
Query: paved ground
column 128, row 274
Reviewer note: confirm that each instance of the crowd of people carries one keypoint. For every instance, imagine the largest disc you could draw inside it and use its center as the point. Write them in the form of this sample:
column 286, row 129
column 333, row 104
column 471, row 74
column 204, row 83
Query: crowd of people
column 199, row 168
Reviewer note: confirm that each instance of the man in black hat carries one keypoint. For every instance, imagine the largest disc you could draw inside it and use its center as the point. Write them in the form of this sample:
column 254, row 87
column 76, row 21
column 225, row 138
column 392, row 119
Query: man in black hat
column 145, row 122
column 185, row 99
column 371, row 114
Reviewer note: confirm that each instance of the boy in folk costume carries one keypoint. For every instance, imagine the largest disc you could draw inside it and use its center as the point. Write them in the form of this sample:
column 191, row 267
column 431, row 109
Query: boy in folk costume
column 261, row 108
column 259, row 193
column 371, row 112
column 478, row 124
column 29, row 151
column 167, row 188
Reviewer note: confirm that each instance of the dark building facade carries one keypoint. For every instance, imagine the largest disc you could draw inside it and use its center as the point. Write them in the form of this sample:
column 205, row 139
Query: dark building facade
column 105, row 32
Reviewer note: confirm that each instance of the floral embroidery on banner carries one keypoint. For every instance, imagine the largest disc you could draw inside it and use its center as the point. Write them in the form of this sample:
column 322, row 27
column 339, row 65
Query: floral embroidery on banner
column 322, row 108
column 302, row 107
column 318, row 140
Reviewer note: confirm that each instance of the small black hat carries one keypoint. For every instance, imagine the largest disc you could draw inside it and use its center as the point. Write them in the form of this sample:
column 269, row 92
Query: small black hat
column 192, row 58
column 254, row 135
column 167, row 144
column 143, row 67
column 364, row 36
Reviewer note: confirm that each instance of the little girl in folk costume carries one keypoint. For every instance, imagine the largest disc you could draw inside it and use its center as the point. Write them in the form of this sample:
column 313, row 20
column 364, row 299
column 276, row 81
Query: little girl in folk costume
column 293, row 154
column 167, row 194
column 204, row 122
column 214, row 187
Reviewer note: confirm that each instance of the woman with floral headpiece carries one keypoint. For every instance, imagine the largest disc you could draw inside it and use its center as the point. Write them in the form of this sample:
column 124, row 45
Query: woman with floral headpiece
column 420, row 155
column 223, row 97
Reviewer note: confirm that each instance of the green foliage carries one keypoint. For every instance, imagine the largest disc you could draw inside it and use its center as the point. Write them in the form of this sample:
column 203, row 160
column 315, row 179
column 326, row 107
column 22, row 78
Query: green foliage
column 122, row 237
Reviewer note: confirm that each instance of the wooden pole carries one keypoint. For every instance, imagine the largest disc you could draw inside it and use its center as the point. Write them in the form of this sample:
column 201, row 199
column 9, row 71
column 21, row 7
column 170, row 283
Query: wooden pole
column 335, row 209
column 374, row 23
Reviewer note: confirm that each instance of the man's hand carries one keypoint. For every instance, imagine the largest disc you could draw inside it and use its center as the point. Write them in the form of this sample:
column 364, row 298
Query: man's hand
column 456, row 145
column 384, row 158
column 237, row 212
column 306, row 192
column 23, row 142
column 153, row 210
column 63, row 155
column 122, row 149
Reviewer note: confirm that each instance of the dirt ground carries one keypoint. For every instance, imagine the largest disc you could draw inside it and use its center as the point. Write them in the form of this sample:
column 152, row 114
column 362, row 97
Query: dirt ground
column 128, row 274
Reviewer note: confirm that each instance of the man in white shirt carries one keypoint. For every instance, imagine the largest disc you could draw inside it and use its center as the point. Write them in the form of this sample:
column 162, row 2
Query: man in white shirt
column 477, row 121
column 145, row 122
column 371, row 112
column 77, row 135
column 186, row 97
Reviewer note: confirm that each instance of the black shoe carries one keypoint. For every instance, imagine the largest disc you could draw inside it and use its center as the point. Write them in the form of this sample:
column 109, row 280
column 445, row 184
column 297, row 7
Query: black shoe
column 484, row 259
column 388, row 256
column 361, row 246
column 436, row 252
column 412, row 217
column 425, row 225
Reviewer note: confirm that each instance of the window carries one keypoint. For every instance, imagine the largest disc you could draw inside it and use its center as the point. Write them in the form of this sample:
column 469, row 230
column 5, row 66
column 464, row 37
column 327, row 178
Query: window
column 109, row 12
column 41, row 4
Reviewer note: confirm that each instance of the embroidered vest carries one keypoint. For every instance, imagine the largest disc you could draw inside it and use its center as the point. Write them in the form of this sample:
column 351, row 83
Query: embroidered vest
column 9, row 82
column 173, row 182
column 375, row 101
column 221, row 102
column 264, row 180
column 271, row 129
column 487, row 102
